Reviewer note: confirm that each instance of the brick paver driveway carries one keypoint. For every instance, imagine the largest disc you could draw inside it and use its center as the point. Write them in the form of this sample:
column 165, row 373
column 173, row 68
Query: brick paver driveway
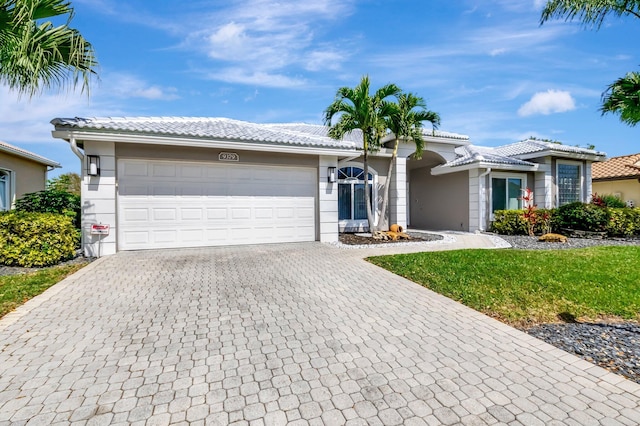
column 298, row 334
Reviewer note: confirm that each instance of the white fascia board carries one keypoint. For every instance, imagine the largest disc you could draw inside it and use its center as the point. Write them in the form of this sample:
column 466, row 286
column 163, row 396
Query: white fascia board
column 440, row 170
column 445, row 140
column 200, row 143
column 29, row 156
column 429, row 138
column 561, row 154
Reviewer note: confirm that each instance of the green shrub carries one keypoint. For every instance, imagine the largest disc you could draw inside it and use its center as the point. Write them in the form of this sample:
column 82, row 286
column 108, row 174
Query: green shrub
column 36, row 239
column 581, row 216
column 51, row 201
column 624, row 222
column 513, row 222
column 607, row 200
column 509, row 222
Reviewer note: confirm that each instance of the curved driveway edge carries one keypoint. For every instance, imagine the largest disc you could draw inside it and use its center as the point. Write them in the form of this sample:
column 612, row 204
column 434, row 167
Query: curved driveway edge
column 282, row 334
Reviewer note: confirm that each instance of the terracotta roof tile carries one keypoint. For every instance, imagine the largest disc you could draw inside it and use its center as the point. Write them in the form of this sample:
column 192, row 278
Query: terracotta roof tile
column 626, row 166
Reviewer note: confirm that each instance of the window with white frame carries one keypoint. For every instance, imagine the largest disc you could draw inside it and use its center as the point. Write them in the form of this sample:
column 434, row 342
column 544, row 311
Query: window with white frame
column 569, row 179
column 351, row 187
column 506, row 191
column 5, row 190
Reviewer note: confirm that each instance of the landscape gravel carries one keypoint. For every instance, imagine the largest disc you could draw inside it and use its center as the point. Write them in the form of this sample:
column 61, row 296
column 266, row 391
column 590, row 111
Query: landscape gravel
column 614, row 346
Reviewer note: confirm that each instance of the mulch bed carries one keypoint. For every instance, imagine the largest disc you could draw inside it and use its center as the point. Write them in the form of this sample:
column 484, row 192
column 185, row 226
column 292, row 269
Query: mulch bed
column 359, row 239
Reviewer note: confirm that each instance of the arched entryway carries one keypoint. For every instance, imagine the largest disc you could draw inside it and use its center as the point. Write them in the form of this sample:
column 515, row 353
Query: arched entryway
column 352, row 210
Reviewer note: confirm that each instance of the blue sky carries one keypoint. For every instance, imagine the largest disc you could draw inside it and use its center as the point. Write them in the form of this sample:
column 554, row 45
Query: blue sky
column 487, row 67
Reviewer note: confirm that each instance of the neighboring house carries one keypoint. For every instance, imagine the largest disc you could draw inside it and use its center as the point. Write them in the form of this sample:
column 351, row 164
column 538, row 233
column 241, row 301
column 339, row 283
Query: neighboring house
column 185, row 182
column 619, row 176
column 21, row 172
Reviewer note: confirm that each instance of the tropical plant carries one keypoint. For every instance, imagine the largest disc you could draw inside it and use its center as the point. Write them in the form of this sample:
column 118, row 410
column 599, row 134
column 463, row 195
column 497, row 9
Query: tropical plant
column 623, row 95
column 356, row 109
column 36, row 55
column 405, row 122
column 68, row 182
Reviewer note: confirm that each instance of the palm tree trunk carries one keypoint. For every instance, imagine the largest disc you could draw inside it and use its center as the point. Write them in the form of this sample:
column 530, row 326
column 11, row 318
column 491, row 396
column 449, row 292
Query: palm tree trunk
column 383, row 223
column 367, row 197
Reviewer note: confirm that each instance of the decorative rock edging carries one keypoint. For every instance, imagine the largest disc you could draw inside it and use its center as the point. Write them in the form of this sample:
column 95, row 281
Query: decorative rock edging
column 446, row 239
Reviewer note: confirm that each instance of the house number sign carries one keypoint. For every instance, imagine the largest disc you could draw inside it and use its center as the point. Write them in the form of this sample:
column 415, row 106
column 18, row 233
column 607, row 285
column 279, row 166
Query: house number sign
column 228, row 156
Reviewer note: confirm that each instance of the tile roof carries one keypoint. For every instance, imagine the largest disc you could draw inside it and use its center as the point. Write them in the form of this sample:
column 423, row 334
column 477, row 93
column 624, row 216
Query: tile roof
column 481, row 154
column 211, row 128
column 626, row 166
column 443, row 134
column 11, row 149
column 225, row 128
column 530, row 146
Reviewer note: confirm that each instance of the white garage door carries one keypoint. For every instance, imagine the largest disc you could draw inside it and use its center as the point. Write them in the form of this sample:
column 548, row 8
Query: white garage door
column 163, row 204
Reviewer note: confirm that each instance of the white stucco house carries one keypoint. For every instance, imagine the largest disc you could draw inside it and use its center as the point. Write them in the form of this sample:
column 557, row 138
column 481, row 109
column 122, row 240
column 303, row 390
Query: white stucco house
column 164, row 182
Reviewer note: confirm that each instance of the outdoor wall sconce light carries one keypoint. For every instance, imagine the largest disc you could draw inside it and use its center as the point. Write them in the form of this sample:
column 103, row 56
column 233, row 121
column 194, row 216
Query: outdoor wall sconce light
column 331, row 174
column 93, row 165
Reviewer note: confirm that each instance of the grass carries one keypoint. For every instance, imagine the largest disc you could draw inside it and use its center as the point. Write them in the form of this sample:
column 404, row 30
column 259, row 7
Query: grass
column 524, row 287
column 17, row 289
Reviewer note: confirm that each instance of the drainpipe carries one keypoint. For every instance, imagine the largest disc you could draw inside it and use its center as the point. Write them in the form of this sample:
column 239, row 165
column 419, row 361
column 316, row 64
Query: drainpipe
column 74, row 147
column 76, row 150
column 482, row 207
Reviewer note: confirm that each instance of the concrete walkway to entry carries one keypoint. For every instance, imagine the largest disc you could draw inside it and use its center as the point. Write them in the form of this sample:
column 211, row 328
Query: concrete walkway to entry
column 300, row 334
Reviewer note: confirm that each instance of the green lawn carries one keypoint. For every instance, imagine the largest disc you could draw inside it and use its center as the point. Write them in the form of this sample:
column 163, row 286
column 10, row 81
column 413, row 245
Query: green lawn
column 17, row 289
column 523, row 287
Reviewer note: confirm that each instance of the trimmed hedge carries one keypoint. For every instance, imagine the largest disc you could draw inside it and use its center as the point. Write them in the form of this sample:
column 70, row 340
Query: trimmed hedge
column 624, row 222
column 51, row 201
column 36, row 239
column 512, row 222
column 617, row 222
column 509, row 222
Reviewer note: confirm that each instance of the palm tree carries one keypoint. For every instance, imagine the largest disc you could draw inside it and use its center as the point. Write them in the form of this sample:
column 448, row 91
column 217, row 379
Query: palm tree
column 405, row 122
column 36, row 55
column 356, row 109
column 590, row 12
column 621, row 96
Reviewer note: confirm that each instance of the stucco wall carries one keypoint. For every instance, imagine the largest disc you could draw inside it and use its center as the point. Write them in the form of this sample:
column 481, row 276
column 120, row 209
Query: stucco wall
column 29, row 176
column 439, row 202
column 126, row 150
column 628, row 188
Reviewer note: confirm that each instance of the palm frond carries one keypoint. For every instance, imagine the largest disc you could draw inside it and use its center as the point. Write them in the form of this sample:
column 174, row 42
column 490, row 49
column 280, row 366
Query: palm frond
column 591, row 13
column 623, row 97
column 36, row 55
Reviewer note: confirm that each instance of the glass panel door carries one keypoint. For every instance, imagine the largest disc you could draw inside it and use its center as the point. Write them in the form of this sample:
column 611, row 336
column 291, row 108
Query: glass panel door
column 359, row 207
column 498, row 194
column 514, row 201
column 344, row 201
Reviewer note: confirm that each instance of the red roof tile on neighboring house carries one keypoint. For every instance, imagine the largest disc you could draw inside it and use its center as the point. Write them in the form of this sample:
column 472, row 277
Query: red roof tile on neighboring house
column 624, row 167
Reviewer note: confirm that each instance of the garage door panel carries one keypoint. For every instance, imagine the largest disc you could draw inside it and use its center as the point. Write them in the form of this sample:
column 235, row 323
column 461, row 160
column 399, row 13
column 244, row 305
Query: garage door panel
column 136, row 215
column 164, row 214
column 163, row 170
column 217, row 214
column 197, row 204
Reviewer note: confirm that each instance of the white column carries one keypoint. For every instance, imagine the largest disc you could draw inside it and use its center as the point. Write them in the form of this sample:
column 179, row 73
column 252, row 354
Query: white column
column 588, row 182
column 474, row 201
column 398, row 193
column 99, row 199
column 327, row 201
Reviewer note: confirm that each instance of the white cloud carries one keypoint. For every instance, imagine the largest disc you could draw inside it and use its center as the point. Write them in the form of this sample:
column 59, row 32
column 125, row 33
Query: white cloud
column 129, row 86
column 256, row 78
column 324, row 60
column 549, row 102
column 27, row 120
column 259, row 39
